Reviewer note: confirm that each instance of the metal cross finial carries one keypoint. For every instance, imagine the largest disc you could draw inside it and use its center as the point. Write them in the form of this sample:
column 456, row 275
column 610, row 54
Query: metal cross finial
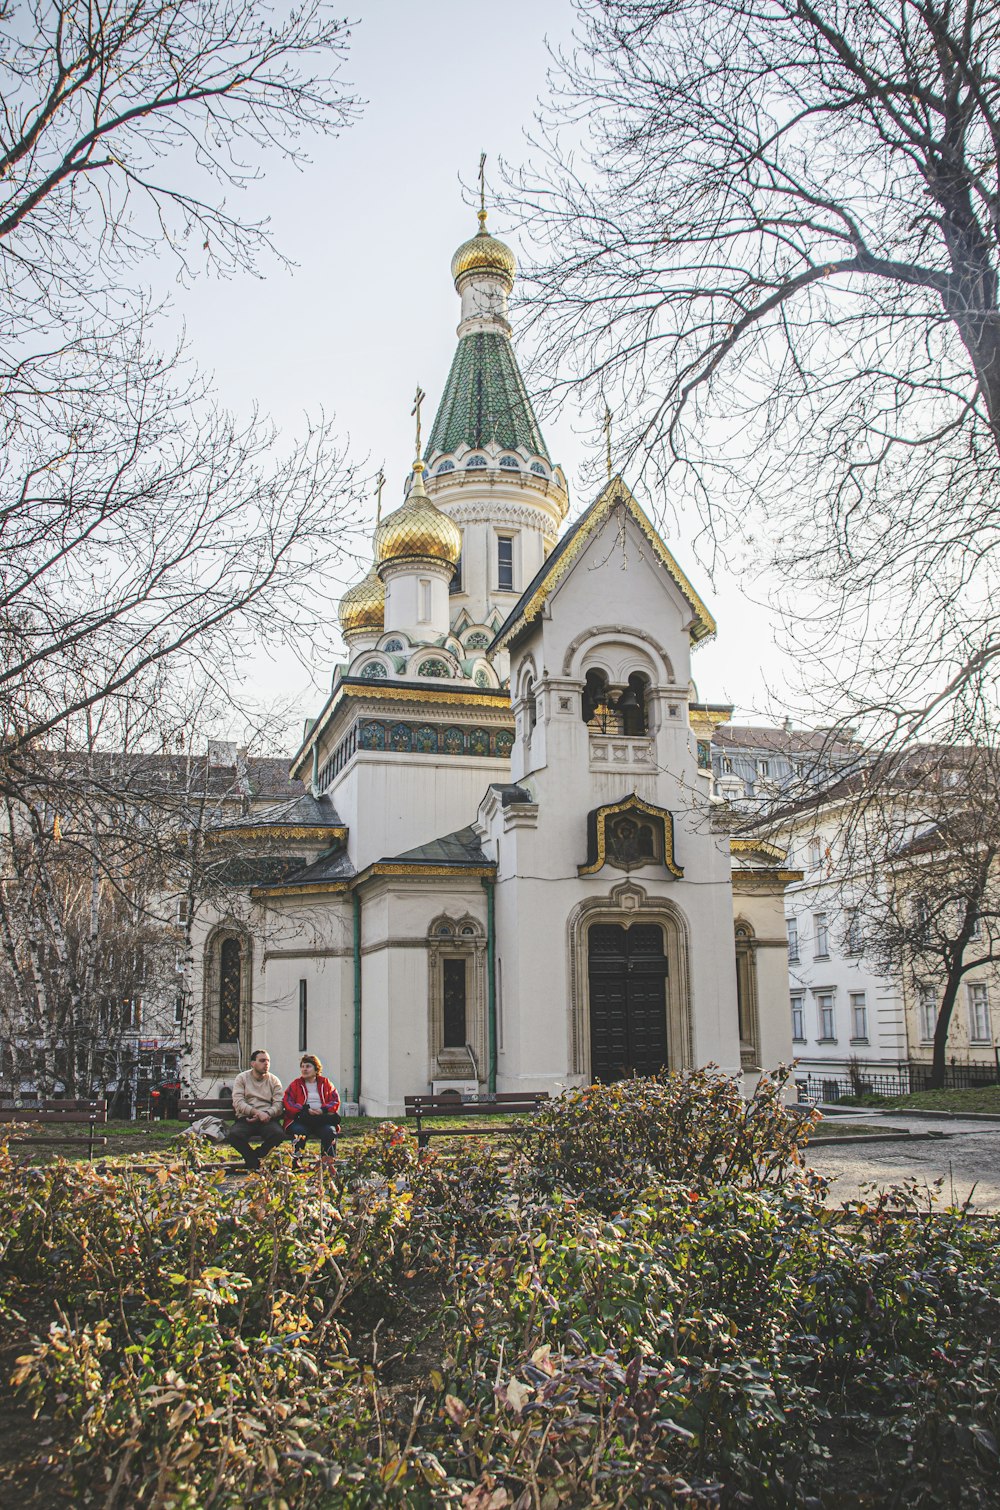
column 418, row 399
column 379, row 485
column 482, row 191
column 607, row 437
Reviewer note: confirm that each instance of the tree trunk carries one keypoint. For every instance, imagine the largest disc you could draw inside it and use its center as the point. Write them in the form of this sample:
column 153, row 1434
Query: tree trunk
column 948, row 1000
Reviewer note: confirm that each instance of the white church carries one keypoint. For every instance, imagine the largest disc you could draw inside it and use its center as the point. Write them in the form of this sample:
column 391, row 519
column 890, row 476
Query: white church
column 499, row 866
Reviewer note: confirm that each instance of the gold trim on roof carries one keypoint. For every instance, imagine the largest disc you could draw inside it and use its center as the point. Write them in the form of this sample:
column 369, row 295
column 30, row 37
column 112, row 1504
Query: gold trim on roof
column 304, row 888
column 429, row 695
column 758, row 847
column 705, row 719
column 614, row 494
column 277, row 831
column 765, row 880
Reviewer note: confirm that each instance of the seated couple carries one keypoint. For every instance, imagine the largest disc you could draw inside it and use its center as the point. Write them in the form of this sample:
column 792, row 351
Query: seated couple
column 309, row 1108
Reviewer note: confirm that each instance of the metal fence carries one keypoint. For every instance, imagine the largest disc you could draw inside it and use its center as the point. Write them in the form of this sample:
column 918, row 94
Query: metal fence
column 902, row 1080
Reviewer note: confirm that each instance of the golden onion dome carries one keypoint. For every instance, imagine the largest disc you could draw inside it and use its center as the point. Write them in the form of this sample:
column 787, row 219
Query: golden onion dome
column 363, row 606
column 483, row 253
column 419, row 528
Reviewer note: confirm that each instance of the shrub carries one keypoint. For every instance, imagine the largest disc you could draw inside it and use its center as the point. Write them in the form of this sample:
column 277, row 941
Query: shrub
column 694, row 1127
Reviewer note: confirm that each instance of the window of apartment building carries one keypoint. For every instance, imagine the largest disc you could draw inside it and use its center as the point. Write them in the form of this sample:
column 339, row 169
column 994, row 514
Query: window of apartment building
column 303, row 1016
column 798, row 1017
column 505, row 563
column 928, row 1013
column 792, row 924
column 821, row 935
column 853, row 932
column 824, row 1009
column 859, row 1017
column 727, row 766
column 763, row 768
column 979, row 1013
column 921, row 919
column 178, row 1009
column 183, row 909
column 132, row 1014
column 815, row 853
column 977, row 930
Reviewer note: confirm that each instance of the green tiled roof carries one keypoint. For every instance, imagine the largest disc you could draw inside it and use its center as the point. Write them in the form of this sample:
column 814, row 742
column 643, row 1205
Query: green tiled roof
column 485, row 400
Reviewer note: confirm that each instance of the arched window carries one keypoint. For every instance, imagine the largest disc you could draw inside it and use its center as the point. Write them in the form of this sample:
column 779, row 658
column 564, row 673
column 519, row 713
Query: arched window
column 230, row 988
column 393, row 645
column 632, row 705
column 476, row 461
column 746, row 996
column 596, row 706
column 510, row 463
column 538, row 469
column 446, row 466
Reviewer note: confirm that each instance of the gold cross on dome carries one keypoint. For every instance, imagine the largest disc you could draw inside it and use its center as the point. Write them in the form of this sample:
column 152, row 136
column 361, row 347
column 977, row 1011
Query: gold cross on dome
column 482, row 188
column 379, row 485
column 418, row 399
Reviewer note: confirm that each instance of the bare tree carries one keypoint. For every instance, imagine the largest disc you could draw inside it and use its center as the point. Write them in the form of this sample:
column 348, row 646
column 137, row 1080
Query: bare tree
column 138, row 522
column 777, row 252
column 914, row 868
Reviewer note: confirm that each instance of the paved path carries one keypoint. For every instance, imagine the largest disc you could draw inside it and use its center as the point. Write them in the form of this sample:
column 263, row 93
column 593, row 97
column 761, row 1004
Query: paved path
column 969, row 1156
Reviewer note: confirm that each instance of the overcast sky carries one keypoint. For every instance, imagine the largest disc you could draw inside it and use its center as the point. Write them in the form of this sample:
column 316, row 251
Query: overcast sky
column 369, row 309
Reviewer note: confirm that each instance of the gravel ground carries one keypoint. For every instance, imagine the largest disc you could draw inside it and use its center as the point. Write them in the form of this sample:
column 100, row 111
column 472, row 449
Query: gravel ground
column 967, row 1159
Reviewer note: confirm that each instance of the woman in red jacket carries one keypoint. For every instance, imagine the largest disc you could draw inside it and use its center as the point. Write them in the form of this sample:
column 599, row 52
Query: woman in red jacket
column 312, row 1105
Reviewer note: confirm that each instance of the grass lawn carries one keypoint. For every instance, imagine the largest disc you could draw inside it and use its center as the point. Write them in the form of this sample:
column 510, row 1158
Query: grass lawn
column 138, row 1138
column 985, row 1098
column 837, row 1127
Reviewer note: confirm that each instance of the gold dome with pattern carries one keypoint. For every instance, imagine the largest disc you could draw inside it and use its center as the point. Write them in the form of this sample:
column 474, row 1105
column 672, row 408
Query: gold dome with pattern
column 483, row 253
column 363, row 606
column 419, row 528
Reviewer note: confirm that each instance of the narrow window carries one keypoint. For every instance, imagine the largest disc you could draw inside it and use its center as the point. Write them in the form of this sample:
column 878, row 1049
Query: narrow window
column 505, row 563
column 928, row 1013
column 798, row 1017
column 183, row 909
column 792, row 924
column 979, row 1013
column 815, row 854
column 824, row 1003
column 303, row 1016
column 229, row 991
column 178, row 1009
column 455, row 1036
column 821, row 933
column 763, row 768
column 859, row 1017
column 456, row 581
column 425, row 600
column 853, row 931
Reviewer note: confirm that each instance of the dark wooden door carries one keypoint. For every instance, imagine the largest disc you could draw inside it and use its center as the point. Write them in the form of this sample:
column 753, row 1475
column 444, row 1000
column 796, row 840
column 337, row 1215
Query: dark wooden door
column 628, row 1006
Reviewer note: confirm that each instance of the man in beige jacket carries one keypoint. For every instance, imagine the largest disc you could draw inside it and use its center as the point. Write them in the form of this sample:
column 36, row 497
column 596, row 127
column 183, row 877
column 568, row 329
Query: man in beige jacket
column 257, row 1104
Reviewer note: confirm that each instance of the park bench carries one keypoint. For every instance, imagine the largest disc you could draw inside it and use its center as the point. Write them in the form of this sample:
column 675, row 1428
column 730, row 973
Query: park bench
column 64, row 1122
column 451, row 1104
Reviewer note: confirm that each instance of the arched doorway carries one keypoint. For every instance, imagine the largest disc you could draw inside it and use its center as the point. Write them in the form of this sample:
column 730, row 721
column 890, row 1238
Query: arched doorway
column 627, row 970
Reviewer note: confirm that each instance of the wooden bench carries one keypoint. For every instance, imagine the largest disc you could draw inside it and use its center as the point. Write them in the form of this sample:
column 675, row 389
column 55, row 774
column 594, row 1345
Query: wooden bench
column 71, row 1121
column 451, row 1104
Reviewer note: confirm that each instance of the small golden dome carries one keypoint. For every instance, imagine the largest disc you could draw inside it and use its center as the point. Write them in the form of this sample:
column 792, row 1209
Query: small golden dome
column 419, row 528
column 363, row 606
column 484, row 254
